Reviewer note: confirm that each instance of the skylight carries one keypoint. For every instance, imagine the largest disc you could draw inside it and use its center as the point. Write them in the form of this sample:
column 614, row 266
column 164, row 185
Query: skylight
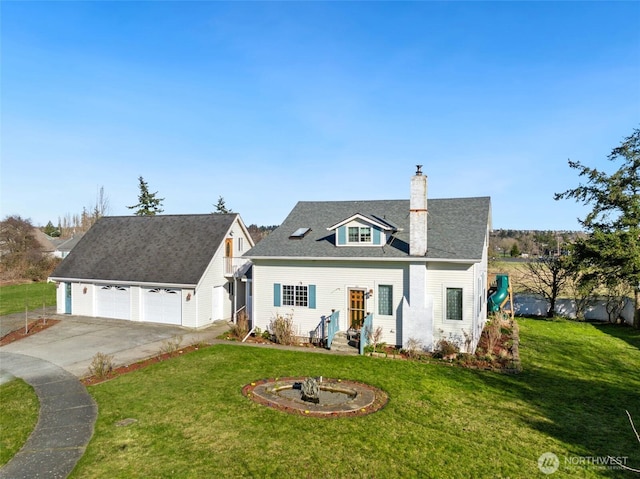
column 299, row 233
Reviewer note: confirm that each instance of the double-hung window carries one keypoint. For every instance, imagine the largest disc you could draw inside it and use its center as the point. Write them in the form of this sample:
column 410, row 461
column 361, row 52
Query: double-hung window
column 359, row 234
column 295, row 295
column 288, row 295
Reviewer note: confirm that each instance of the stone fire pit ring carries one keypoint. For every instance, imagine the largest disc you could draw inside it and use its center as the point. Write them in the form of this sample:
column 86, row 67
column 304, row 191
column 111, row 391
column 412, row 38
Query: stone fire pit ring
column 362, row 398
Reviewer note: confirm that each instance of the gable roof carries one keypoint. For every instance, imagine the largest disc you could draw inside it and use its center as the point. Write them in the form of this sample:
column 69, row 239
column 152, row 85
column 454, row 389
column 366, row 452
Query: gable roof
column 372, row 220
column 456, row 230
column 69, row 243
column 171, row 249
column 45, row 241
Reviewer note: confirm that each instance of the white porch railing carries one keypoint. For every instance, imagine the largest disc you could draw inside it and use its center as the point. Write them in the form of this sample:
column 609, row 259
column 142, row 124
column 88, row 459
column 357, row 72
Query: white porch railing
column 231, row 265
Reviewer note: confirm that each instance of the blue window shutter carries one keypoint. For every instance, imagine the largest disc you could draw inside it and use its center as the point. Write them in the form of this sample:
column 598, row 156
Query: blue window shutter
column 276, row 294
column 342, row 235
column 312, row 296
column 376, row 235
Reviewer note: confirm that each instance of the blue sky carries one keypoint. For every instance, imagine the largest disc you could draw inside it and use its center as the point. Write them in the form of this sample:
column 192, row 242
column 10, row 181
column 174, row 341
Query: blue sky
column 268, row 103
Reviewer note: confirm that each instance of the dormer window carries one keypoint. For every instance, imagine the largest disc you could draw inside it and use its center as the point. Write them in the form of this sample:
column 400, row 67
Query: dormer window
column 359, row 234
column 362, row 230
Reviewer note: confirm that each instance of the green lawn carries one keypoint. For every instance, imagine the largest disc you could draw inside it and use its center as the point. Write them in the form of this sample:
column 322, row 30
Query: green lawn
column 441, row 421
column 19, row 406
column 193, row 422
column 14, row 298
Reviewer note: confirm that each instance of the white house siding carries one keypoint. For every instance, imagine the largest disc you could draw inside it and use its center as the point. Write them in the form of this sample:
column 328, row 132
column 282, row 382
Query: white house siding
column 189, row 307
column 452, row 275
column 212, row 277
column 60, row 298
column 480, row 306
column 83, row 303
column 481, row 278
column 136, row 303
column 202, row 301
column 205, row 312
column 332, row 279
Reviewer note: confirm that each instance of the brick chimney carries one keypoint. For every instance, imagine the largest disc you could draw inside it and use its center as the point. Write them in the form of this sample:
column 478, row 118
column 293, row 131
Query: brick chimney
column 418, row 214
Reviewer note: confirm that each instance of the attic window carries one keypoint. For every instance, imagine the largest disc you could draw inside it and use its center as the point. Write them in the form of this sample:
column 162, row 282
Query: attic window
column 299, row 233
column 359, row 234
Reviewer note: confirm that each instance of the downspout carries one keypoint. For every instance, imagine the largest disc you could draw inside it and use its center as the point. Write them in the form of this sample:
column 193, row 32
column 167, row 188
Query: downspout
column 249, row 334
column 235, row 300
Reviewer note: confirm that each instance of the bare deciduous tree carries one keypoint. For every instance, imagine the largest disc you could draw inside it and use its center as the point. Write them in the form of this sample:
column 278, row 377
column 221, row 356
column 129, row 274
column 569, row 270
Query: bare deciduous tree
column 80, row 223
column 546, row 276
column 18, row 243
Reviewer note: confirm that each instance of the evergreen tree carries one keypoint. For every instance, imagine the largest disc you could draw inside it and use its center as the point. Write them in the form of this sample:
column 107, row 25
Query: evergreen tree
column 611, row 252
column 221, row 207
column 148, row 204
column 51, row 230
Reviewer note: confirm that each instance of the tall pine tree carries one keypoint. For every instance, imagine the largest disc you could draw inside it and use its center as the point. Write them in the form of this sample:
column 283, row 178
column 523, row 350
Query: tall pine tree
column 221, row 207
column 148, row 204
column 611, row 252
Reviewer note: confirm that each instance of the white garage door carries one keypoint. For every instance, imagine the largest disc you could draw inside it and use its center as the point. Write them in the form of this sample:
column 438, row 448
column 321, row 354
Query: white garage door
column 163, row 305
column 113, row 302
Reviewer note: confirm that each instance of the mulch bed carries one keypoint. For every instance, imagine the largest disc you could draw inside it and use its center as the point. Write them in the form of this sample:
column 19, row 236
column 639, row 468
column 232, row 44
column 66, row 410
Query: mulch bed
column 32, row 328
column 253, row 339
column 119, row 371
column 511, row 366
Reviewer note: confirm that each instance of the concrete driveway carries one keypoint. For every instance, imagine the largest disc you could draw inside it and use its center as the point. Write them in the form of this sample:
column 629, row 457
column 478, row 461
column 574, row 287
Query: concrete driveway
column 72, row 343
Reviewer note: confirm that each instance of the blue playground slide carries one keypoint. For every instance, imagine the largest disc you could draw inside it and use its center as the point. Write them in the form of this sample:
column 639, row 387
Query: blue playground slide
column 498, row 299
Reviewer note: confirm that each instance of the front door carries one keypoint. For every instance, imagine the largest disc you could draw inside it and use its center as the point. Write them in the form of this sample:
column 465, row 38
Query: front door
column 67, row 298
column 356, row 308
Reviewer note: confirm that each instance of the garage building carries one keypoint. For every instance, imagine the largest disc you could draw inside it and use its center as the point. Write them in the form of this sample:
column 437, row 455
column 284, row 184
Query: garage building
column 174, row 269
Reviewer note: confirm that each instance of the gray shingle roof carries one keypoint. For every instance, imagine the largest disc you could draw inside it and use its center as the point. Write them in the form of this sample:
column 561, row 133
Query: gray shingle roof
column 456, row 229
column 68, row 244
column 171, row 249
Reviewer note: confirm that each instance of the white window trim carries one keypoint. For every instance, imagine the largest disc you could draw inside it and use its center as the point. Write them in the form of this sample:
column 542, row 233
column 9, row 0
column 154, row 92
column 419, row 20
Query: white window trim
column 445, row 287
column 295, row 288
column 360, row 227
column 368, row 301
column 377, row 300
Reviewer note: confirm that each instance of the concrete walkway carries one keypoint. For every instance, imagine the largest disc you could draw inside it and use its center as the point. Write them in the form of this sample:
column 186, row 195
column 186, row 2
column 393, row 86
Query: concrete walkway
column 65, row 423
column 53, row 360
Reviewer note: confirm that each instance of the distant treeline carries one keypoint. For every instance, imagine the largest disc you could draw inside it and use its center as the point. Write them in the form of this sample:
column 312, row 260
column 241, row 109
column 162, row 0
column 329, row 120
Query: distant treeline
column 516, row 243
column 258, row 233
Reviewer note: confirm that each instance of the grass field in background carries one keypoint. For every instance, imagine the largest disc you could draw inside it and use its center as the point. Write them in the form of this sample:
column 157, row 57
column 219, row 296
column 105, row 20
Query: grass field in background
column 441, row 421
column 515, row 270
column 14, row 298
